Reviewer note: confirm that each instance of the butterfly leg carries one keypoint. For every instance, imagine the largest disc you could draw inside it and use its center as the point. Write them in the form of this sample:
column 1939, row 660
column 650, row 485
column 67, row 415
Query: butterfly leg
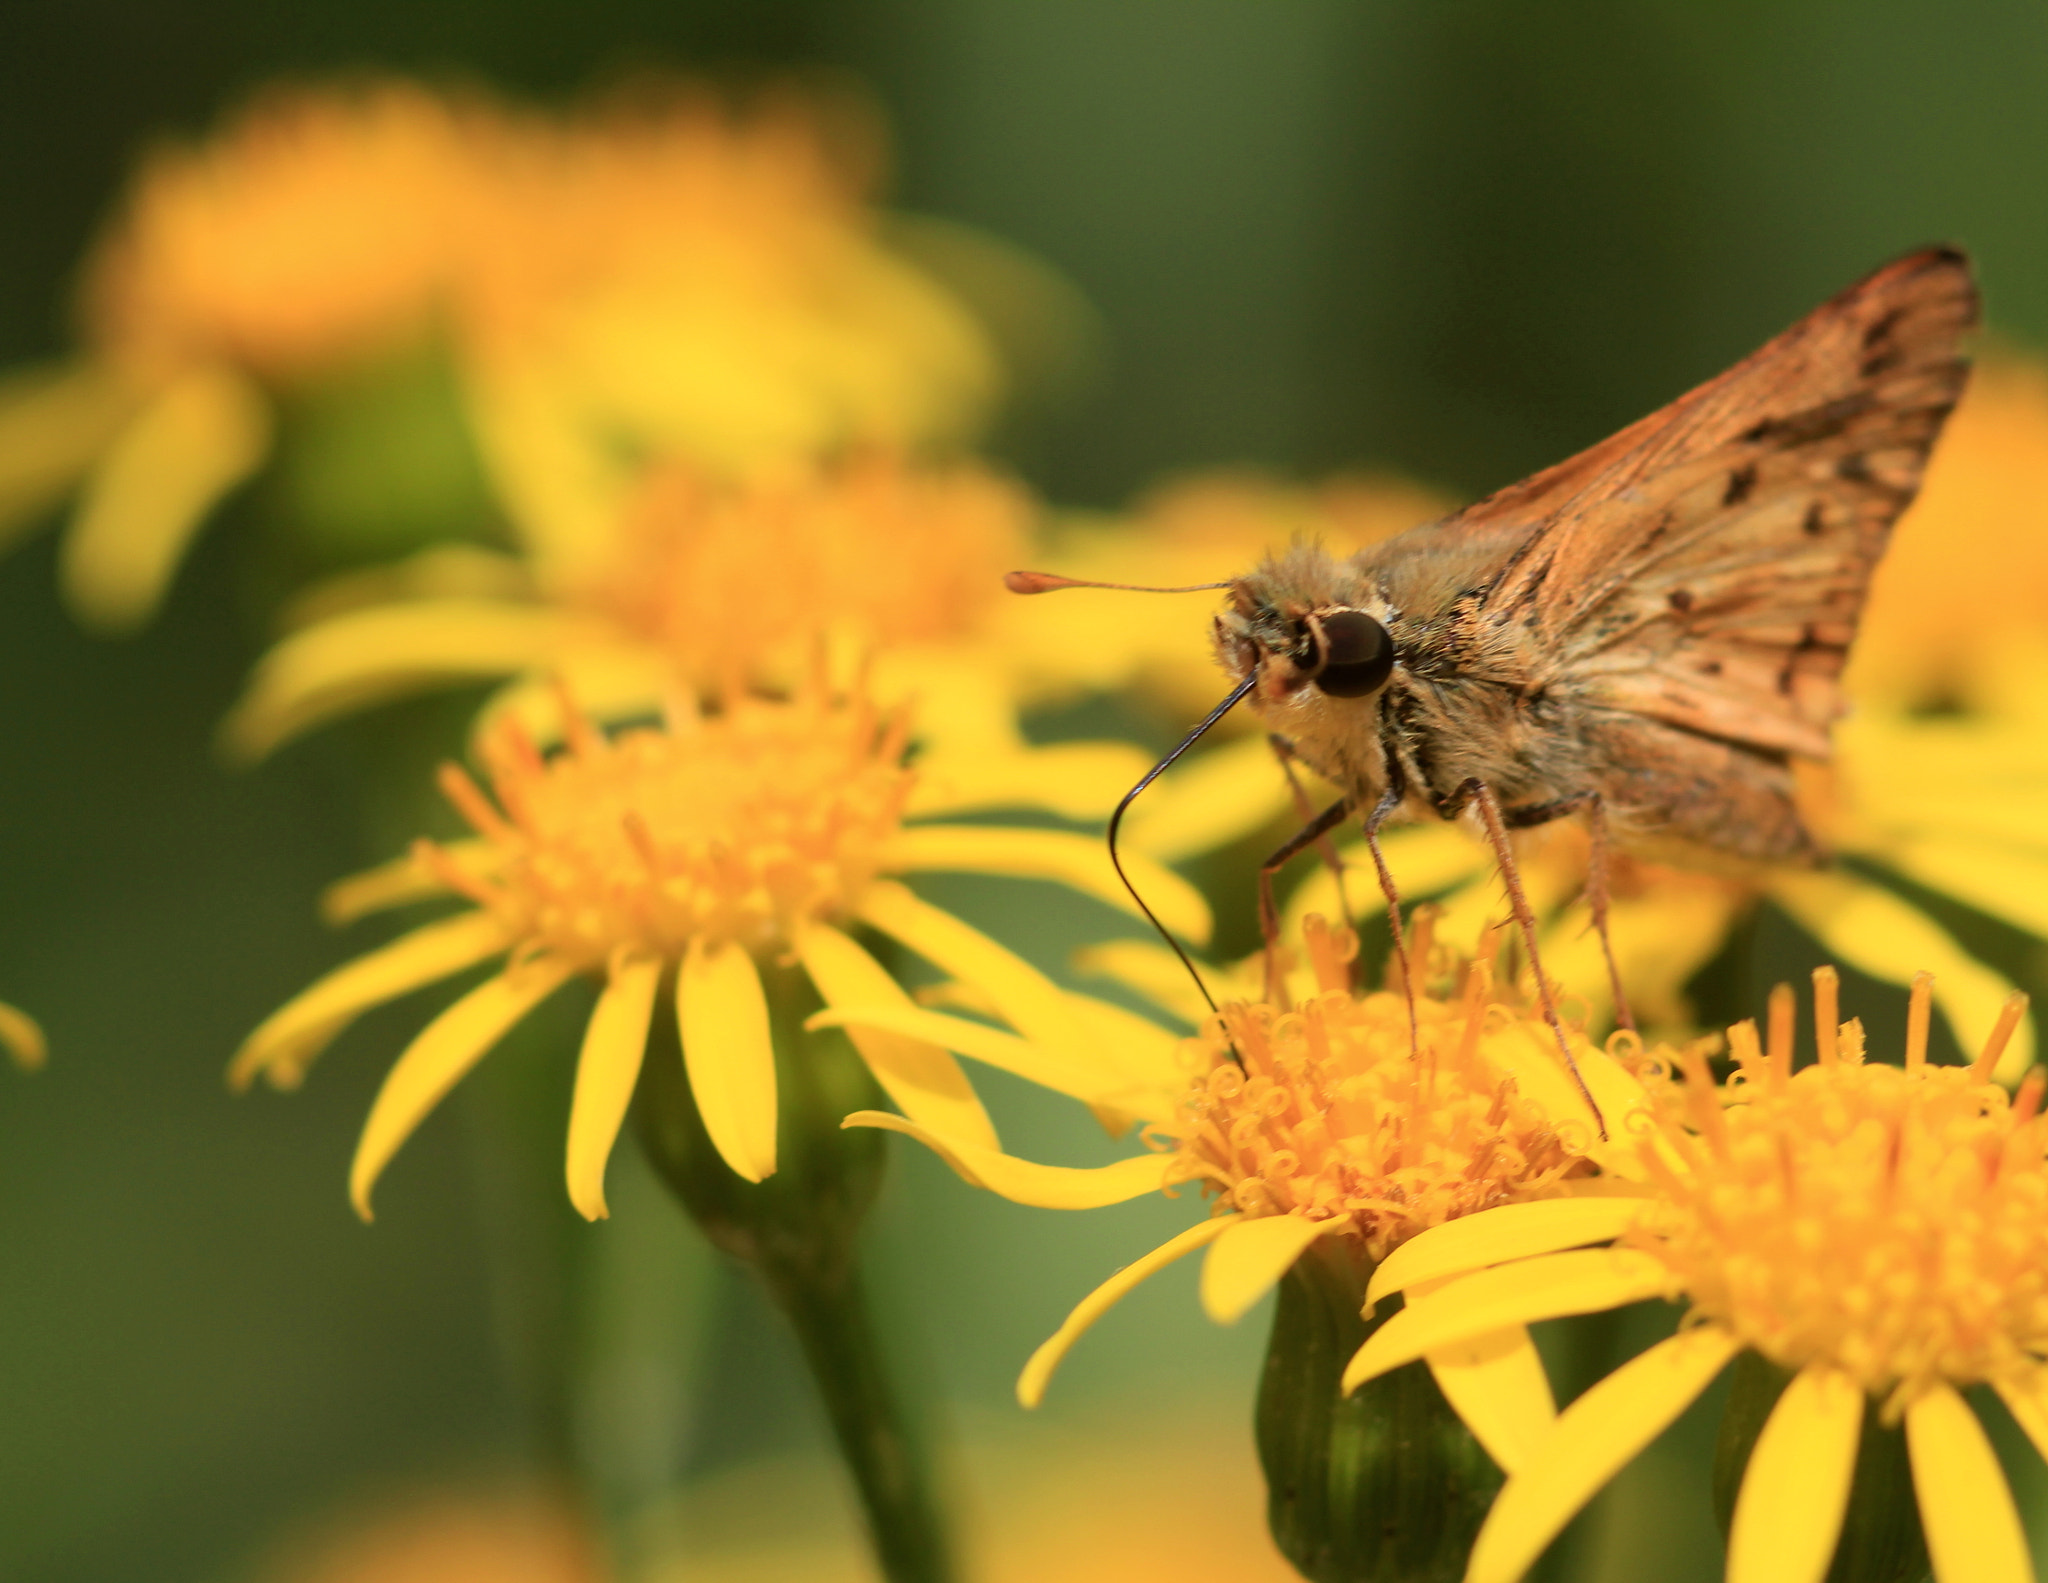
column 1480, row 796
column 1390, row 800
column 1595, row 809
column 1284, row 751
column 1269, row 914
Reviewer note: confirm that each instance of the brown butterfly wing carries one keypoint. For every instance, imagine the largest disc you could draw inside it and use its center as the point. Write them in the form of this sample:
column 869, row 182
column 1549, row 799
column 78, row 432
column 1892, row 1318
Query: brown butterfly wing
column 1707, row 565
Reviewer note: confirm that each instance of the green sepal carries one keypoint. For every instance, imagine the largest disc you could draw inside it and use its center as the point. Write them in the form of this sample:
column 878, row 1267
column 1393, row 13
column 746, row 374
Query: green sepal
column 1384, row 1486
column 1881, row 1538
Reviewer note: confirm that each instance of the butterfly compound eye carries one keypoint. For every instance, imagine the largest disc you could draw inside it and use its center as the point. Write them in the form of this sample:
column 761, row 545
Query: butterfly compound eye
column 1359, row 655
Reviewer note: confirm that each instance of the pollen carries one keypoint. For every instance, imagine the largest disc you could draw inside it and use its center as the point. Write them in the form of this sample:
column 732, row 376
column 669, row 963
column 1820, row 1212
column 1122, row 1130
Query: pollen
column 869, row 549
column 741, row 827
column 1335, row 1111
column 1890, row 1221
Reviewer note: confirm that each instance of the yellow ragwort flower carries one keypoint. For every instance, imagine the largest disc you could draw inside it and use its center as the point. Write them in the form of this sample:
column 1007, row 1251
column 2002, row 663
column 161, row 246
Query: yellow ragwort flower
column 706, row 585
column 1324, row 1121
column 666, row 864
column 1881, row 1231
column 683, row 276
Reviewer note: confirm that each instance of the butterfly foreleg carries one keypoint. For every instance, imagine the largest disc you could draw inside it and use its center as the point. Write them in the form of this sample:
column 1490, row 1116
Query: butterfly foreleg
column 1390, row 800
column 1289, row 756
column 1269, row 914
column 1477, row 794
column 1594, row 807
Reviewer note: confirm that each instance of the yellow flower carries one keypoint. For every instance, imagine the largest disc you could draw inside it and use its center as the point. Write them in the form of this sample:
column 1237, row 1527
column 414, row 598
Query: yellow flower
column 1881, row 1231
column 685, row 280
column 680, row 276
column 705, row 585
column 21, row 1038
column 667, row 864
column 1324, row 1121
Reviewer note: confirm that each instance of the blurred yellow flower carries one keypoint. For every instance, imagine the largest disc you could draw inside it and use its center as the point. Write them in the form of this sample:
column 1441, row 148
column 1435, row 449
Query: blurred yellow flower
column 706, row 585
column 678, row 275
column 21, row 1038
column 1325, row 1120
column 668, row 864
column 1882, row 1231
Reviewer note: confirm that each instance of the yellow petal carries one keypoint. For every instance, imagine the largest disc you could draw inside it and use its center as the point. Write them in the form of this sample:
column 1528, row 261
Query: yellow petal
column 54, row 419
column 1079, row 861
column 22, row 1038
column 1210, row 800
column 1025, row 1182
column 1038, row 1372
column 993, row 1046
column 1973, row 1529
column 1788, row 1515
column 196, row 439
column 1029, row 1001
column 436, row 1060
column 389, row 651
column 1494, row 1236
column 613, row 1044
column 729, row 1052
column 1876, row 932
column 397, row 883
column 1592, row 1440
column 1248, row 1259
column 1510, row 1294
column 1076, row 780
column 2026, row 1397
column 1154, row 972
column 297, row 1031
column 1497, row 1385
column 1995, row 877
column 916, row 1073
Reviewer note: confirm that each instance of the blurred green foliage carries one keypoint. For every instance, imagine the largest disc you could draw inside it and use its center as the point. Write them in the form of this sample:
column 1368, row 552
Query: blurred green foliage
column 1458, row 238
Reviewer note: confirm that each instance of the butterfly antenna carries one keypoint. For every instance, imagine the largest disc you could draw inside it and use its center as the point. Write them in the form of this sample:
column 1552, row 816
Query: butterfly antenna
column 1051, row 582
column 1116, row 822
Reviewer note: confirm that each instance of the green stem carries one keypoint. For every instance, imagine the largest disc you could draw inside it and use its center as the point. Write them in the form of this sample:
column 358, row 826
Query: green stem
column 799, row 1231
column 832, row 1321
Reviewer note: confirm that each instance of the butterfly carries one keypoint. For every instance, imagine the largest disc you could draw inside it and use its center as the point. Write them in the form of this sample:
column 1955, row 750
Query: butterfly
column 1645, row 636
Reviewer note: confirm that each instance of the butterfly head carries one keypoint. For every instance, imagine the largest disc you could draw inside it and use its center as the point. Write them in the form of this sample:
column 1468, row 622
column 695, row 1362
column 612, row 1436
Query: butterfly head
column 1301, row 641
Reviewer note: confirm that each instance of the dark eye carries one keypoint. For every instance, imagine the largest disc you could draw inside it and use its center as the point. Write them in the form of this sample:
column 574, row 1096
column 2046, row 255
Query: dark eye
column 1359, row 655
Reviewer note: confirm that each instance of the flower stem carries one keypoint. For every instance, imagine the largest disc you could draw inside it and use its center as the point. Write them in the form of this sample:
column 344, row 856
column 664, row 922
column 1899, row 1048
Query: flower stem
column 799, row 1231
column 832, row 1321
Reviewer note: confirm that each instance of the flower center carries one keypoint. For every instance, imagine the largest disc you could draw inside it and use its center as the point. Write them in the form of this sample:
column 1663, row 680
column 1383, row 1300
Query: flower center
column 1891, row 1221
column 872, row 550
column 313, row 225
column 738, row 827
column 1334, row 1114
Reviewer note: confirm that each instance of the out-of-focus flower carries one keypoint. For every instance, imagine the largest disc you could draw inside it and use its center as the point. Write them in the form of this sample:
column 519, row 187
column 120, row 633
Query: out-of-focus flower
column 677, row 280
column 707, row 586
column 22, row 1038
column 1877, row 1230
column 1328, row 1120
column 670, row 864
column 684, row 276
column 452, row 1537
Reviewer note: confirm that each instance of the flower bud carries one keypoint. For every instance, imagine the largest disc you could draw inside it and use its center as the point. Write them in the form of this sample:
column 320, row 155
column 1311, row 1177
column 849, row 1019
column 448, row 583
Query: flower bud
column 1383, row 1486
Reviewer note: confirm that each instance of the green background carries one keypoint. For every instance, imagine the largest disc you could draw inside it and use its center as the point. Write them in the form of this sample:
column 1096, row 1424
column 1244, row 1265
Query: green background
column 1460, row 239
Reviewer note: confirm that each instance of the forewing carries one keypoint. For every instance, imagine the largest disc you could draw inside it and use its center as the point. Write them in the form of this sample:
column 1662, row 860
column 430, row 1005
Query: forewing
column 1707, row 566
